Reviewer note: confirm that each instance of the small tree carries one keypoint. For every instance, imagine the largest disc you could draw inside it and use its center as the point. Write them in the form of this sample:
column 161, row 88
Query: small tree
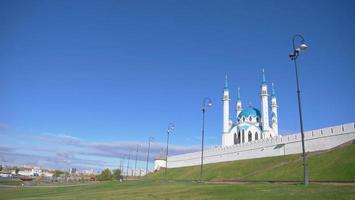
column 105, row 175
column 17, row 170
column 0, row 167
column 57, row 173
column 117, row 174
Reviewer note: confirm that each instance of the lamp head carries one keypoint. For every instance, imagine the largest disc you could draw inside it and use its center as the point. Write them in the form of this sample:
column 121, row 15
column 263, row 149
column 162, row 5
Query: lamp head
column 209, row 104
column 303, row 46
column 171, row 127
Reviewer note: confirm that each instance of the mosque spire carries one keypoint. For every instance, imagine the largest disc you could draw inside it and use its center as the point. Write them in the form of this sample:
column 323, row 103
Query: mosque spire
column 226, row 137
column 226, row 83
column 239, row 107
column 272, row 89
column 264, row 79
column 264, row 105
column 274, row 123
column 238, row 97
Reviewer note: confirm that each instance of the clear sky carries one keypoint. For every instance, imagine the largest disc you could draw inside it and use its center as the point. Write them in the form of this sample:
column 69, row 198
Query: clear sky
column 83, row 82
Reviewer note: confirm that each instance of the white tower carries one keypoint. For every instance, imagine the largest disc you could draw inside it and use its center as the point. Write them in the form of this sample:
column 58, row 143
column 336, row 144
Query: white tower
column 238, row 107
column 264, row 108
column 226, row 99
column 274, row 121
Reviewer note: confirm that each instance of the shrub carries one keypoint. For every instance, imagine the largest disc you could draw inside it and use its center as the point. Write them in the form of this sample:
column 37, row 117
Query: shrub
column 106, row 175
column 117, row 174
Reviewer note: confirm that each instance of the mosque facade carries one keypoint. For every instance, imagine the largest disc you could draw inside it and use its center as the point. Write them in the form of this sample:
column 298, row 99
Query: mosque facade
column 250, row 124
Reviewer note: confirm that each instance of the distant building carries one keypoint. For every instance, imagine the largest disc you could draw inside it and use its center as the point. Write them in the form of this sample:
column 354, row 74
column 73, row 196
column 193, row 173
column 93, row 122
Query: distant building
column 160, row 161
column 33, row 171
column 72, row 170
column 88, row 172
column 5, row 174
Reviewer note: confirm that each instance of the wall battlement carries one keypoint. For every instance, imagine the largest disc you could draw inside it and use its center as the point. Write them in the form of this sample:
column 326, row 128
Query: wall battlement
column 315, row 140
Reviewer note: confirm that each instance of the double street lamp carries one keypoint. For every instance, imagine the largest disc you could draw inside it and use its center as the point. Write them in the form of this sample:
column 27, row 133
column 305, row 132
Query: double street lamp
column 170, row 129
column 207, row 103
column 293, row 56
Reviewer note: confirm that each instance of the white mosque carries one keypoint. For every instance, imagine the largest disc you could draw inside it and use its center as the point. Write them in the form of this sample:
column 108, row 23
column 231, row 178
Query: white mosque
column 250, row 123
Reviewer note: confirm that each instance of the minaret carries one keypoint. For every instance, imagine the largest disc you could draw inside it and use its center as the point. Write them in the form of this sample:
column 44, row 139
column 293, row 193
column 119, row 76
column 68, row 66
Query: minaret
column 239, row 107
column 274, row 121
column 225, row 100
column 264, row 108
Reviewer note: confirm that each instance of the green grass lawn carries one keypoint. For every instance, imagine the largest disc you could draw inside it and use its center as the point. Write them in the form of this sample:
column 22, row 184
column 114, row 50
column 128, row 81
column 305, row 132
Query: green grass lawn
column 180, row 190
column 334, row 165
column 10, row 181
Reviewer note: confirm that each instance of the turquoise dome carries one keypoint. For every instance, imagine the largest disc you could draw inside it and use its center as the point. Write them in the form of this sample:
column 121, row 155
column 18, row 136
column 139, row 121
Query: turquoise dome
column 250, row 111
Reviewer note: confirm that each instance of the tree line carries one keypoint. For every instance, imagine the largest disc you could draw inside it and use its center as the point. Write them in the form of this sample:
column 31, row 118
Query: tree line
column 107, row 175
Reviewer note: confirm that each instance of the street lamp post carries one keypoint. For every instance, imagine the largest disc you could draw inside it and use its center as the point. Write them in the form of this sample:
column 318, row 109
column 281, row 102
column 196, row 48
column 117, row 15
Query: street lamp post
column 207, row 103
column 129, row 157
column 146, row 166
column 293, row 56
column 135, row 163
column 171, row 128
column 121, row 165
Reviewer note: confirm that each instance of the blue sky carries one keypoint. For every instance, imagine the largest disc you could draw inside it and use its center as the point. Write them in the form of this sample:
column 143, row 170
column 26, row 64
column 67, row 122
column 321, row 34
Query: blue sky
column 84, row 82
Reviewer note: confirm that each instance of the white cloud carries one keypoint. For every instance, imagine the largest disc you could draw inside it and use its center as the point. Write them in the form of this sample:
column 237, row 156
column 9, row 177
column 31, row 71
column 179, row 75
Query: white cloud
column 117, row 149
column 64, row 151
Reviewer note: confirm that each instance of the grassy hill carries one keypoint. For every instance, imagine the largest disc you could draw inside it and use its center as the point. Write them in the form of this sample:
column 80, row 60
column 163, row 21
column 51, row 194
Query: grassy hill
column 333, row 165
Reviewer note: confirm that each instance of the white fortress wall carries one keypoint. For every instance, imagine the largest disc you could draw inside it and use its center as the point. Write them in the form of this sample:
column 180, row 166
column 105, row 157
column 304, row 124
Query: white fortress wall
column 315, row 140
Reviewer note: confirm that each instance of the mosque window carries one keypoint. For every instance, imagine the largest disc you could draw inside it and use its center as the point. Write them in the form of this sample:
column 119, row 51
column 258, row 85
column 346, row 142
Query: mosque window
column 249, row 136
column 238, row 137
column 250, row 118
column 257, row 119
column 256, row 136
